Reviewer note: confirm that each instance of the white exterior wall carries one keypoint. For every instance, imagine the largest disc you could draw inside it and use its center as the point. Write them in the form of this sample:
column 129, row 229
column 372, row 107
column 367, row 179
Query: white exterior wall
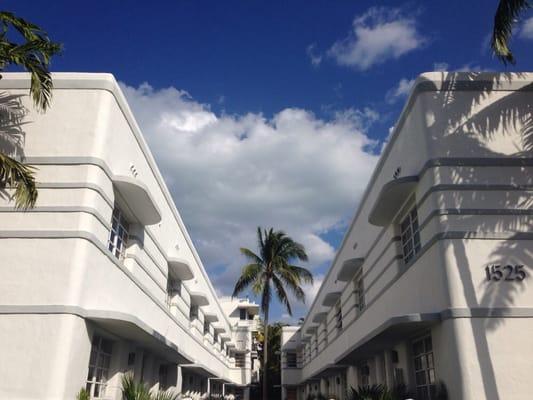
column 62, row 282
column 469, row 148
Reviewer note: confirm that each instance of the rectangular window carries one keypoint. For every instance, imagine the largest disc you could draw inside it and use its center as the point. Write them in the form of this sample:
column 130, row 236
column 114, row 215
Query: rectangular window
column 410, row 235
column 240, row 360
column 163, row 377
column 338, row 315
column 215, row 337
column 242, row 314
column 193, row 312
column 206, row 327
column 424, row 368
column 173, row 288
column 99, row 362
column 292, row 361
column 316, row 345
column 326, row 334
column 118, row 236
column 359, row 291
column 364, row 372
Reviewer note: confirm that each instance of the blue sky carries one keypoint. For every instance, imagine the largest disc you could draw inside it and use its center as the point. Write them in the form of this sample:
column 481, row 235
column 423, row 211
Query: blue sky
column 269, row 112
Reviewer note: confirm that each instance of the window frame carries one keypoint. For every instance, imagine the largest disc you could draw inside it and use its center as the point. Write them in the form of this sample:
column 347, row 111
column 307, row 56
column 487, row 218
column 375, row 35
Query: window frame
column 98, row 353
column 118, row 234
column 359, row 291
column 291, row 362
column 424, row 390
column 240, row 361
column 409, row 229
column 338, row 315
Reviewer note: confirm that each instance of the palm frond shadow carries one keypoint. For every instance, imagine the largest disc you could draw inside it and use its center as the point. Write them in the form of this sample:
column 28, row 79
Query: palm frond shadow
column 12, row 135
column 480, row 120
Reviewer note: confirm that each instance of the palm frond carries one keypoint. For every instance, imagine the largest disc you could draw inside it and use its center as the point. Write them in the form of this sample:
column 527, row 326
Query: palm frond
column 165, row 395
column 505, row 19
column 34, row 55
column 248, row 276
column 132, row 390
column 250, row 255
column 83, row 394
column 281, row 294
column 21, row 177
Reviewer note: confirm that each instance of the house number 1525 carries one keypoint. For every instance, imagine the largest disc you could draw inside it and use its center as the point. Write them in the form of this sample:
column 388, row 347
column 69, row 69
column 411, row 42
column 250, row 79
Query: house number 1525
column 505, row 273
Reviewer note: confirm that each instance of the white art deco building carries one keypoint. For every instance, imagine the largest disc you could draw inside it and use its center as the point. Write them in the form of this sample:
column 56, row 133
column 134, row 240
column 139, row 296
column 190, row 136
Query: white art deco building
column 101, row 277
column 433, row 280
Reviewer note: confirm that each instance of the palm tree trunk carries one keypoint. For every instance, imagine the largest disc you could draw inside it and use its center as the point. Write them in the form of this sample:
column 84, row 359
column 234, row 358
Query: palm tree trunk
column 265, row 358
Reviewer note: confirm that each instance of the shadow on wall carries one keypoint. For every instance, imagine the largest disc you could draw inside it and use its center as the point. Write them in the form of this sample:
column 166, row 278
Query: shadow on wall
column 468, row 125
column 12, row 136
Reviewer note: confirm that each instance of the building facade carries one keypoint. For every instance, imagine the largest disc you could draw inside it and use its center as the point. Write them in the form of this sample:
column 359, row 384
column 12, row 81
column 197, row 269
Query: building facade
column 101, row 277
column 432, row 284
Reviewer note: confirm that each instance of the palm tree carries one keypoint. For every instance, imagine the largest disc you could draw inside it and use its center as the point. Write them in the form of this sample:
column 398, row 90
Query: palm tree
column 33, row 54
column 270, row 271
column 505, row 19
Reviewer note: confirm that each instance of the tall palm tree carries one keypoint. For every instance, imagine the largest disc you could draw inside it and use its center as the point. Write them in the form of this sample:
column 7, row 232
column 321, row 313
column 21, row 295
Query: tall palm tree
column 33, row 54
column 505, row 19
column 272, row 271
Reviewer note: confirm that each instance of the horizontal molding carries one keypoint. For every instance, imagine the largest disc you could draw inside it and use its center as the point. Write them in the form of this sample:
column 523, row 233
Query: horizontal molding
column 98, row 244
column 429, row 164
column 450, row 235
column 100, row 163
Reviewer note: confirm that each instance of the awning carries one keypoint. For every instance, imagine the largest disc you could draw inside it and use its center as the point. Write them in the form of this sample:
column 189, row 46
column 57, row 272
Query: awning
column 319, row 317
column 331, row 299
column 251, row 307
column 210, row 317
column 391, row 331
column 349, row 268
column 219, row 328
column 392, row 196
column 225, row 338
column 311, row 330
column 199, row 299
column 230, row 345
column 199, row 369
column 131, row 328
column 140, row 204
column 180, row 268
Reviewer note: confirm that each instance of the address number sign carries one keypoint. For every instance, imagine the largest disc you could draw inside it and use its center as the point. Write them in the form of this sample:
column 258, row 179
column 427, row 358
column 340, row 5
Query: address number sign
column 496, row 273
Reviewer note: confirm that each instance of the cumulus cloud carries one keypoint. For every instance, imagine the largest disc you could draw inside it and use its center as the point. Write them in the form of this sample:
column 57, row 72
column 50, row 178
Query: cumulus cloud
column 229, row 174
column 526, row 31
column 378, row 35
column 400, row 91
column 314, row 56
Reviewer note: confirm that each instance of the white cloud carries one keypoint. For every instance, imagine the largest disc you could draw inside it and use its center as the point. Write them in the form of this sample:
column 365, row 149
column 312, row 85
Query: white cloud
column 230, row 173
column 314, row 56
column 377, row 36
column 526, row 30
column 400, row 91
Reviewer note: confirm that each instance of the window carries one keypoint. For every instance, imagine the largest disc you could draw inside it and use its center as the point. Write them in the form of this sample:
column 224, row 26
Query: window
column 410, row 235
column 364, row 372
column 359, row 291
column 424, row 368
column 291, row 360
column 215, row 337
column 242, row 314
column 173, row 288
column 206, row 327
column 193, row 312
column 240, row 360
column 325, row 334
column 338, row 315
column 316, row 345
column 118, row 236
column 163, row 377
column 99, row 367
